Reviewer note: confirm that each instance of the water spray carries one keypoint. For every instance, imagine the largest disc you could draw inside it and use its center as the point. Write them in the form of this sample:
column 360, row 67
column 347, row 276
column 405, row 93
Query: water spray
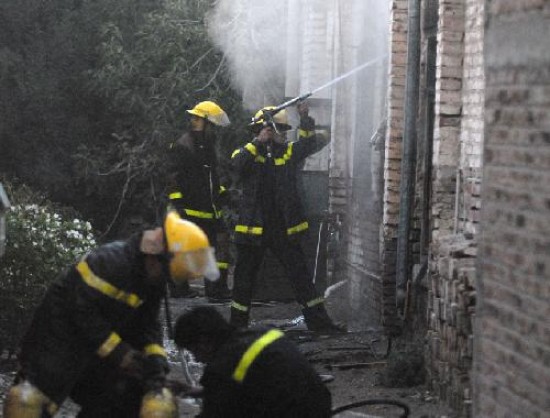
column 272, row 112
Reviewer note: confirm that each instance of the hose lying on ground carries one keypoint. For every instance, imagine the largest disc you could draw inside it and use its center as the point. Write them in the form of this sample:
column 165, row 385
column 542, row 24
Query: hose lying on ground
column 182, row 389
column 357, row 404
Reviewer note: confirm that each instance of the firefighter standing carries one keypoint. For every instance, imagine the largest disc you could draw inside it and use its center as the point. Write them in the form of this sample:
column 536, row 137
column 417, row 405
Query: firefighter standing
column 250, row 373
column 96, row 335
column 271, row 214
column 194, row 187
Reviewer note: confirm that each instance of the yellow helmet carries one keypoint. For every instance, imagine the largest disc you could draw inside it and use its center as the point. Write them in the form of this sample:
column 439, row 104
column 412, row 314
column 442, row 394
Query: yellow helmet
column 190, row 253
column 280, row 118
column 211, row 112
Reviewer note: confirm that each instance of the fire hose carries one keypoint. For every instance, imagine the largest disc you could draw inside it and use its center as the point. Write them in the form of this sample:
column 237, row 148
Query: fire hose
column 269, row 113
column 402, row 405
column 195, row 392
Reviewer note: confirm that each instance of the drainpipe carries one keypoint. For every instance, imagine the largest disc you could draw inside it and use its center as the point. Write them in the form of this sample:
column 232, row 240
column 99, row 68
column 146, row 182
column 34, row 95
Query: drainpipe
column 408, row 160
column 428, row 143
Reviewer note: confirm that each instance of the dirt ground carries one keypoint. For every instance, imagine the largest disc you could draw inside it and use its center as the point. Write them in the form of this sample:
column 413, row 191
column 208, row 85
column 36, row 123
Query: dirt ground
column 355, row 363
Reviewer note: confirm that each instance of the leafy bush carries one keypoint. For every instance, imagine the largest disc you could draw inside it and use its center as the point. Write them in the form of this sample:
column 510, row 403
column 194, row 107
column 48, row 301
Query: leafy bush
column 41, row 241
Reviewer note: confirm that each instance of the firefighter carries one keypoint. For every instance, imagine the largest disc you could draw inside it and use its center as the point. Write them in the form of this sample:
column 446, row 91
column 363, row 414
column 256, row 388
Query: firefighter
column 194, row 187
column 96, row 336
column 250, row 373
column 271, row 214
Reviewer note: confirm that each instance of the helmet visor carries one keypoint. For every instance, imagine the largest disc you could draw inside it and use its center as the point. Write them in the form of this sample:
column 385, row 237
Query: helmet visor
column 192, row 265
column 220, row 119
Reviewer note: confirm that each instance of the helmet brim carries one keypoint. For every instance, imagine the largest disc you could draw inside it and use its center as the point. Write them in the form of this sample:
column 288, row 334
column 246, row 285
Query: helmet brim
column 258, row 126
column 219, row 120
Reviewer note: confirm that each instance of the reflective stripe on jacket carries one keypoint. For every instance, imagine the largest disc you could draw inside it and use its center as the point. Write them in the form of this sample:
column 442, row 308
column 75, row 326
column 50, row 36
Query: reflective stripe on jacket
column 254, row 351
column 194, row 188
column 250, row 162
column 258, row 372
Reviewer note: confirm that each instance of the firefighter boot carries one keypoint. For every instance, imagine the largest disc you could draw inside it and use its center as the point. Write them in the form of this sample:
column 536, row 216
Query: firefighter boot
column 317, row 320
column 182, row 290
column 218, row 291
column 239, row 318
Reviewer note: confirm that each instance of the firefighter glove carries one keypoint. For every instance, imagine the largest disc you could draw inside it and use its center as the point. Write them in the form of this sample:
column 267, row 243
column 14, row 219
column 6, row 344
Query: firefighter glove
column 307, row 123
column 159, row 403
column 155, row 369
column 132, row 364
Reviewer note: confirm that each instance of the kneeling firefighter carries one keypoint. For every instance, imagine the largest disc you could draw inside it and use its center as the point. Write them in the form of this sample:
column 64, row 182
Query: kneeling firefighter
column 96, row 336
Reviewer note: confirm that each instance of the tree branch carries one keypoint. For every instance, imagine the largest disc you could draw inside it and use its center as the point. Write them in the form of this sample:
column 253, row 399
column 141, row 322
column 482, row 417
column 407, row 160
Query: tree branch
column 213, row 76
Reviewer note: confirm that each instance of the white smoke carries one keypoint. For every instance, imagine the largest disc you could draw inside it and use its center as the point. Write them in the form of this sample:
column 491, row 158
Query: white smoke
column 252, row 35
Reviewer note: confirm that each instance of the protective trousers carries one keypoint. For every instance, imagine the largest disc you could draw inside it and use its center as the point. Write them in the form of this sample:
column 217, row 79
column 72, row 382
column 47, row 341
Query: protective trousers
column 249, row 260
column 217, row 289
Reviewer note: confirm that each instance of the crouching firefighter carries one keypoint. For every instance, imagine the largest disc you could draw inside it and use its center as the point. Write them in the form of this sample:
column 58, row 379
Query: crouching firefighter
column 96, row 336
column 250, row 373
column 271, row 214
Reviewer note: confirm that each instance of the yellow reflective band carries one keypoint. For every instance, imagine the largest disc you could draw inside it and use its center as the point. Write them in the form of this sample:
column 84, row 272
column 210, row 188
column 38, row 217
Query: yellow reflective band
column 175, row 195
column 130, row 299
column 251, row 148
column 254, row 230
column 239, row 307
column 288, row 152
column 222, row 189
column 254, row 351
column 222, row 266
column 298, row 228
column 259, row 159
column 305, row 134
column 314, row 302
column 286, row 156
column 154, row 349
column 109, row 345
column 199, row 214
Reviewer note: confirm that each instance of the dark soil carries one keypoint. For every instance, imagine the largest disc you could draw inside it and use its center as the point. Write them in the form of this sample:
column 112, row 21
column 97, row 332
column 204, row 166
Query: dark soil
column 362, row 365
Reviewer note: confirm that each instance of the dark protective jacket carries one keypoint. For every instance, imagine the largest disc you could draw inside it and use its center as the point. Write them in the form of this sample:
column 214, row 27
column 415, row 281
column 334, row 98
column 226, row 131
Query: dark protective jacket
column 99, row 308
column 194, row 185
column 268, row 175
column 261, row 374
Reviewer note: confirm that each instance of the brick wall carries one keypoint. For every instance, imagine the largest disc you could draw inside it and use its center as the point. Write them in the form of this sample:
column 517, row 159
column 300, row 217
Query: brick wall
column 512, row 334
column 448, row 112
column 455, row 185
column 471, row 136
column 392, row 161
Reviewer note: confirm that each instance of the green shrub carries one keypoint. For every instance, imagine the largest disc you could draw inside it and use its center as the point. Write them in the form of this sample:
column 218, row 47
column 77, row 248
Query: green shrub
column 41, row 241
